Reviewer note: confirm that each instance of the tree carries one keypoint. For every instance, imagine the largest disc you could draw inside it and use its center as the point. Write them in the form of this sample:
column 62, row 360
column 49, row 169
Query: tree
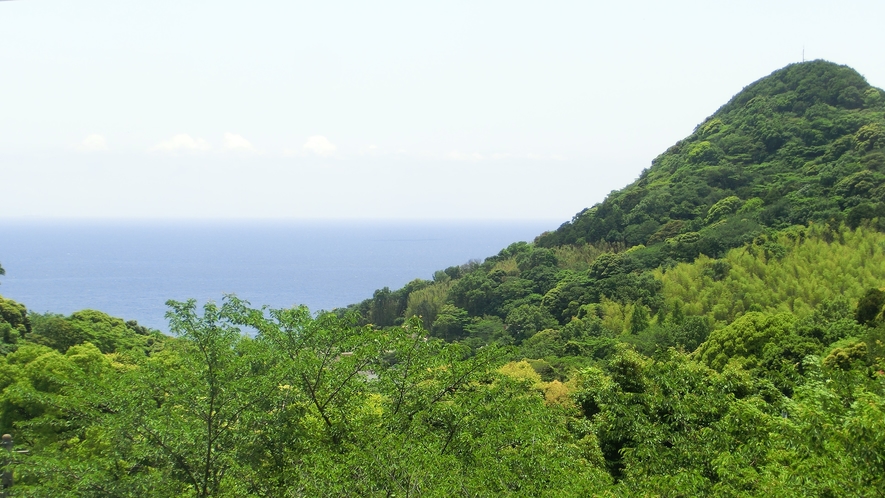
column 56, row 332
column 746, row 339
column 870, row 306
column 427, row 302
column 188, row 407
column 372, row 412
column 14, row 324
column 525, row 320
column 639, row 318
column 723, row 208
column 62, row 406
column 450, row 323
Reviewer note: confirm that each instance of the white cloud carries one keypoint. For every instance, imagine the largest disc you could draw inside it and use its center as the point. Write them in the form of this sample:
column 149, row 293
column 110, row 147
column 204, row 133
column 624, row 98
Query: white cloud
column 94, row 142
column 233, row 141
column 182, row 142
column 319, row 145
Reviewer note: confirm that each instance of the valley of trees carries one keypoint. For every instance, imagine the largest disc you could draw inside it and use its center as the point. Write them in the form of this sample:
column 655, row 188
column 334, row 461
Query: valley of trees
column 713, row 329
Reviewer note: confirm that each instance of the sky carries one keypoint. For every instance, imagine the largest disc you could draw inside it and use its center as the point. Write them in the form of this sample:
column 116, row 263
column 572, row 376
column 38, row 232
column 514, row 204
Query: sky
column 376, row 110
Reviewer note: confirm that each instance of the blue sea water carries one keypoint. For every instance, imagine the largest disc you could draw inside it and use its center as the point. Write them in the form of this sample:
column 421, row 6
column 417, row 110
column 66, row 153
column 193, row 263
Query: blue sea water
column 129, row 269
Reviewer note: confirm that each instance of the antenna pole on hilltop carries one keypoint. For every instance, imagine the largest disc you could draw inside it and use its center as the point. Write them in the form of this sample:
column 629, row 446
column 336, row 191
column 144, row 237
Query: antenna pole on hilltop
column 803, row 53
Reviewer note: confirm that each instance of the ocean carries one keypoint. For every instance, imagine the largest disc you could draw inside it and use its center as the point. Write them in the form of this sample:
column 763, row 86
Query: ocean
column 129, row 269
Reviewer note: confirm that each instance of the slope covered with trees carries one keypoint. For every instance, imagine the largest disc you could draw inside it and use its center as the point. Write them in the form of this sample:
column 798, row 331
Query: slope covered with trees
column 803, row 144
column 713, row 329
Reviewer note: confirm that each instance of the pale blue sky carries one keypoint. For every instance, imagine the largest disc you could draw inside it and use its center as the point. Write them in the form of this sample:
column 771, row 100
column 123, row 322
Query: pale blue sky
column 284, row 109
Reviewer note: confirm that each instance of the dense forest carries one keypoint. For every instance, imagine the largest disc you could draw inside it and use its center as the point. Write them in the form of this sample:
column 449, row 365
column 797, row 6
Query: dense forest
column 714, row 328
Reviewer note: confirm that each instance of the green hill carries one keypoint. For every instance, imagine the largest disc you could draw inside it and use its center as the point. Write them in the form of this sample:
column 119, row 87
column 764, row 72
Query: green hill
column 715, row 328
column 804, row 143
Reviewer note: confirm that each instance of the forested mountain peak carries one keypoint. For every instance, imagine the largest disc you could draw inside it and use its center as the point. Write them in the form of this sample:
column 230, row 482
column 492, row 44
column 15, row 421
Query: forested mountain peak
column 804, row 143
column 806, row 84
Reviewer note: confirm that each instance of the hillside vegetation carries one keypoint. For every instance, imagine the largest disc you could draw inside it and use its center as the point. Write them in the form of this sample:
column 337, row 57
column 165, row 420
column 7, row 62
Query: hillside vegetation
column 805, row 145
column 713, row 329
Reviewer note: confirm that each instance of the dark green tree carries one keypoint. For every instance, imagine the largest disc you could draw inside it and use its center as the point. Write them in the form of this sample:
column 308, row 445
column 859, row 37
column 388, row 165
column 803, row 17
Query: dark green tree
column 450, row 323
column 869, row 307
column 639, row 318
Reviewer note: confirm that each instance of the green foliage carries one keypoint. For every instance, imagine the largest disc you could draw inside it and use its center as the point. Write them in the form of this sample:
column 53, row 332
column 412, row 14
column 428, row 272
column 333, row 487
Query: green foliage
column 486, row 330
column 543, row 344
column 526, row 320
column 870, row 136
column 723, row 208
column 309, row 406
column 678, row 428
column 691, row 332
column 744, row 339
column 676, row 341
column 869, row 307
column 15, row 315
column 427, row 302
column 56, row 332
column 450, row 323
column 785, row 141
column 794, row 272
column 109, row 334
column 801, row 145
column 638, row 319
column 844, row 357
